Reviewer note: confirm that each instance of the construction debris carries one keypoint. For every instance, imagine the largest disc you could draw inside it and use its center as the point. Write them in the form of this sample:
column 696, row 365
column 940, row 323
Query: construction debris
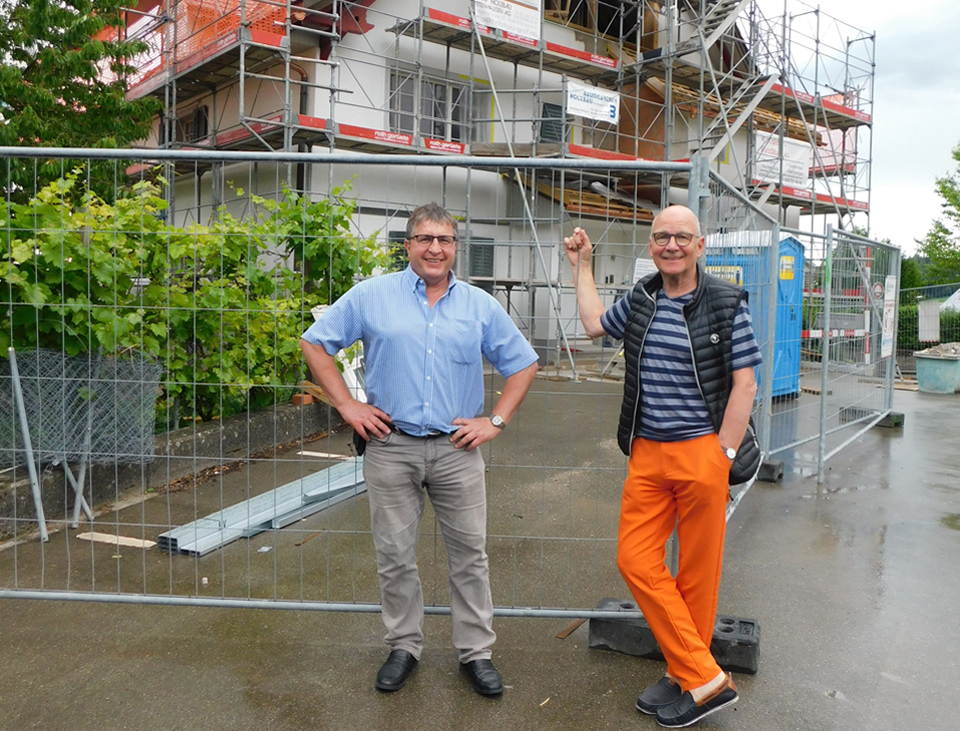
column 115, row 540
column 944, row 350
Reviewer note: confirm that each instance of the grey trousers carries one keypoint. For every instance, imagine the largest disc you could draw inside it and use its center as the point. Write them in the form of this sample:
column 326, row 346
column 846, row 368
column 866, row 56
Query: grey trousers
column 399, row 470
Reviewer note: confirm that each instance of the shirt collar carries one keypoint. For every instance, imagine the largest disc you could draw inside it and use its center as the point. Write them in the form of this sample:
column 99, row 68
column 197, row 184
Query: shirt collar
column 415, row 283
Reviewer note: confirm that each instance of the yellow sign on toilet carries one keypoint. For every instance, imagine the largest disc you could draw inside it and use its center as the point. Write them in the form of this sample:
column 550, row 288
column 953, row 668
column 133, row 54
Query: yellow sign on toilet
column 787, row 264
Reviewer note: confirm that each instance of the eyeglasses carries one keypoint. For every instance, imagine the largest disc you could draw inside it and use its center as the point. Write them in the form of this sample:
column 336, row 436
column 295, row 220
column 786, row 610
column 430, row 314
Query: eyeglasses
column 662, row 238
column 426, row 240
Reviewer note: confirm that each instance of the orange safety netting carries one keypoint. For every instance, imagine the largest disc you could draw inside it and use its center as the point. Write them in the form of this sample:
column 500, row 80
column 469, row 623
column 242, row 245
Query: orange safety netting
column 199, row 25
column 202, row 23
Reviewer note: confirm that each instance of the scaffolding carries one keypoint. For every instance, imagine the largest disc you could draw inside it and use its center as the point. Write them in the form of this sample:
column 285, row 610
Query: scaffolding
column 782, row 107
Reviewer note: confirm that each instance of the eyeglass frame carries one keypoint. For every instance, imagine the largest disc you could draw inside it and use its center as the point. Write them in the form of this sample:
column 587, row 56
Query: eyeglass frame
column 426, row 240
column 674, row 236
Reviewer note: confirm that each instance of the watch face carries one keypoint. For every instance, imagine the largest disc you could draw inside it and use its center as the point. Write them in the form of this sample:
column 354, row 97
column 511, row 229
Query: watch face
column 498, row 421
column 731, row 453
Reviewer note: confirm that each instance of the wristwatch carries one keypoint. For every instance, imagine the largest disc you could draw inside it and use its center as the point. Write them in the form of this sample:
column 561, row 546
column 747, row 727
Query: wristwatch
column 497, row 421
column 730, row 452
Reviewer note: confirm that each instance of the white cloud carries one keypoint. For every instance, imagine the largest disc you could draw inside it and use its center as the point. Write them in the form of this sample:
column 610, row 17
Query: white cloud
column 917, row 108
column 912, row 211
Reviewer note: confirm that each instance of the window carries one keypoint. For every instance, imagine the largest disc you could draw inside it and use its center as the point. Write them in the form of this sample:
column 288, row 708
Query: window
column 481, row 257
column 193, row 126
column 551, row 123
column 442, row 111
column 484, row 116
column 610, row 18
column 569, row 12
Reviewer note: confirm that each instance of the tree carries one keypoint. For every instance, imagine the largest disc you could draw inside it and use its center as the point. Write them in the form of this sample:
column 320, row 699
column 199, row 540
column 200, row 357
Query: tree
column 942, row 243
column 911, row 279
column 63, row 84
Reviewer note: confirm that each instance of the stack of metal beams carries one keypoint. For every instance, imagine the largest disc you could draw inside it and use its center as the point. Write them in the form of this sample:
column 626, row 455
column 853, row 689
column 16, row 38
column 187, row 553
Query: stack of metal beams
column 275, row 509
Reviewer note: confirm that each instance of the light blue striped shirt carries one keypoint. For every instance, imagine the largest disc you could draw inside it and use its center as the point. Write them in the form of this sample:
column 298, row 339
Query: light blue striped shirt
column 672, row 407
column 423, row 365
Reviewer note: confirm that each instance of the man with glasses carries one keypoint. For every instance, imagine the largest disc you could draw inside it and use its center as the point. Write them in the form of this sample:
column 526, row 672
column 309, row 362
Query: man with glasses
column 690, row 352
column 425, row 334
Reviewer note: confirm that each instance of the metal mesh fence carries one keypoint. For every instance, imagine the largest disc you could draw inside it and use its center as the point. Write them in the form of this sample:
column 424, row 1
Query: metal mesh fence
column 81, row 407
column 929, row 317
column 741, row 246
column 846, row 368
column 213, row 268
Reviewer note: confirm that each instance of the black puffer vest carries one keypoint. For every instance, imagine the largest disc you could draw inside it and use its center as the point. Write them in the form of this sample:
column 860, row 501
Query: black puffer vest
column 709, row 316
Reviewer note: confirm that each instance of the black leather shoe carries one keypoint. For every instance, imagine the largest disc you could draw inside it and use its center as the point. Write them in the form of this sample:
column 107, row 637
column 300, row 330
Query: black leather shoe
column 483, row 677
column 686, row 711
column 659, row 695
column 395, row 671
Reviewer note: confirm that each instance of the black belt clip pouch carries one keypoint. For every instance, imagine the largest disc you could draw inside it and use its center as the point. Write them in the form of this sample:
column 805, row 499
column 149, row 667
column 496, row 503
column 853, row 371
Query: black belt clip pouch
column 359, row 444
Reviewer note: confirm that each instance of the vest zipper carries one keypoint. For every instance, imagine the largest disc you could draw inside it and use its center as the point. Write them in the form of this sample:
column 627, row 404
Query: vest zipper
column 636, row 405
column 693, row 360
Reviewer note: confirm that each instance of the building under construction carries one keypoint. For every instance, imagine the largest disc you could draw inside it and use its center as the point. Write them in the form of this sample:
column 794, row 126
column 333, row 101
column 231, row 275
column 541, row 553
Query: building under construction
column 779, row 107
column 782, row 106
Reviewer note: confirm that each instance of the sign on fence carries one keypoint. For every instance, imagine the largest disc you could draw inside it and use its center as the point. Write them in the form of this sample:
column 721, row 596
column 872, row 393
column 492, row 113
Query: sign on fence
column 930, row 321
column 889, row 317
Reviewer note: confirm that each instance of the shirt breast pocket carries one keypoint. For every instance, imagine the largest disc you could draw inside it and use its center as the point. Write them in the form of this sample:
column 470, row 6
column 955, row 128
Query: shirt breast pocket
column 464, row 344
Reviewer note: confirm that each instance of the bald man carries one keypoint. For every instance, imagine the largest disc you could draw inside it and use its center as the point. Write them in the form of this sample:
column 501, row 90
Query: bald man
column 690, row 354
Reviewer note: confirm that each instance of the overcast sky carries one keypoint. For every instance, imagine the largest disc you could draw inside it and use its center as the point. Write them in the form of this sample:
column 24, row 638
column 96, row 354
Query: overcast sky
column 916, row 105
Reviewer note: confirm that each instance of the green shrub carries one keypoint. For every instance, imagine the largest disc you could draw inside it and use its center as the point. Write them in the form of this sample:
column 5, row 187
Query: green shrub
column 908, row 321
column 908, row 328
column 78, row 274
column 949, row 326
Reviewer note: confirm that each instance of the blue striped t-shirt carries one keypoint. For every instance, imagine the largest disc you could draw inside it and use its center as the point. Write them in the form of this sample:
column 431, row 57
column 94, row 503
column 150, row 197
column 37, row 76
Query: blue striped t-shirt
column 672, row 408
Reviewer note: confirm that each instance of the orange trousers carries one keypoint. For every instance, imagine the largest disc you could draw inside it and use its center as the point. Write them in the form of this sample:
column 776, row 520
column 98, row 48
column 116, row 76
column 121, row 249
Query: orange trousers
column 682, row 484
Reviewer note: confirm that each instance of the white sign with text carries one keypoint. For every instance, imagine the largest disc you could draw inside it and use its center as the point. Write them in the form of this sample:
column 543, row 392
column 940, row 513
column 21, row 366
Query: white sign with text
column 889, row 315
column 796, row 160
column 602, row 105
column 513, row 16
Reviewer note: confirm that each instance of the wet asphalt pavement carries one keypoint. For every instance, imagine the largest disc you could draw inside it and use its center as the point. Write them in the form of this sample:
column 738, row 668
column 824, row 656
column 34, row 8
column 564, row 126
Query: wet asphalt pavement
column 855, row 585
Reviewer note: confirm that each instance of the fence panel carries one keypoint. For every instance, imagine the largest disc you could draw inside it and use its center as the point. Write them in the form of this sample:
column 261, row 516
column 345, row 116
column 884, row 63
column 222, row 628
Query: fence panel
column 928, row 317
column 211, row 265
column 742, row 246
column 846, row 368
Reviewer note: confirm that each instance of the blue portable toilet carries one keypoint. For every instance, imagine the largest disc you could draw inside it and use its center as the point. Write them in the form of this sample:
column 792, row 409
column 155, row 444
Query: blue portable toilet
column 743, row 257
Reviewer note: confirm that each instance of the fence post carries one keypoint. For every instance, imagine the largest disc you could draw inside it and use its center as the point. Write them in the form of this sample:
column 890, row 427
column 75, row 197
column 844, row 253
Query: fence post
column 891, row 374
column 825, row 355
column 766, row 395
column 699, row 185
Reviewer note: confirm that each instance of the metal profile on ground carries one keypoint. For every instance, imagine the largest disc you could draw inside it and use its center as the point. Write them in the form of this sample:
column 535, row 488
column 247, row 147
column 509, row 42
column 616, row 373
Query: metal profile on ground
column 275, row 509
